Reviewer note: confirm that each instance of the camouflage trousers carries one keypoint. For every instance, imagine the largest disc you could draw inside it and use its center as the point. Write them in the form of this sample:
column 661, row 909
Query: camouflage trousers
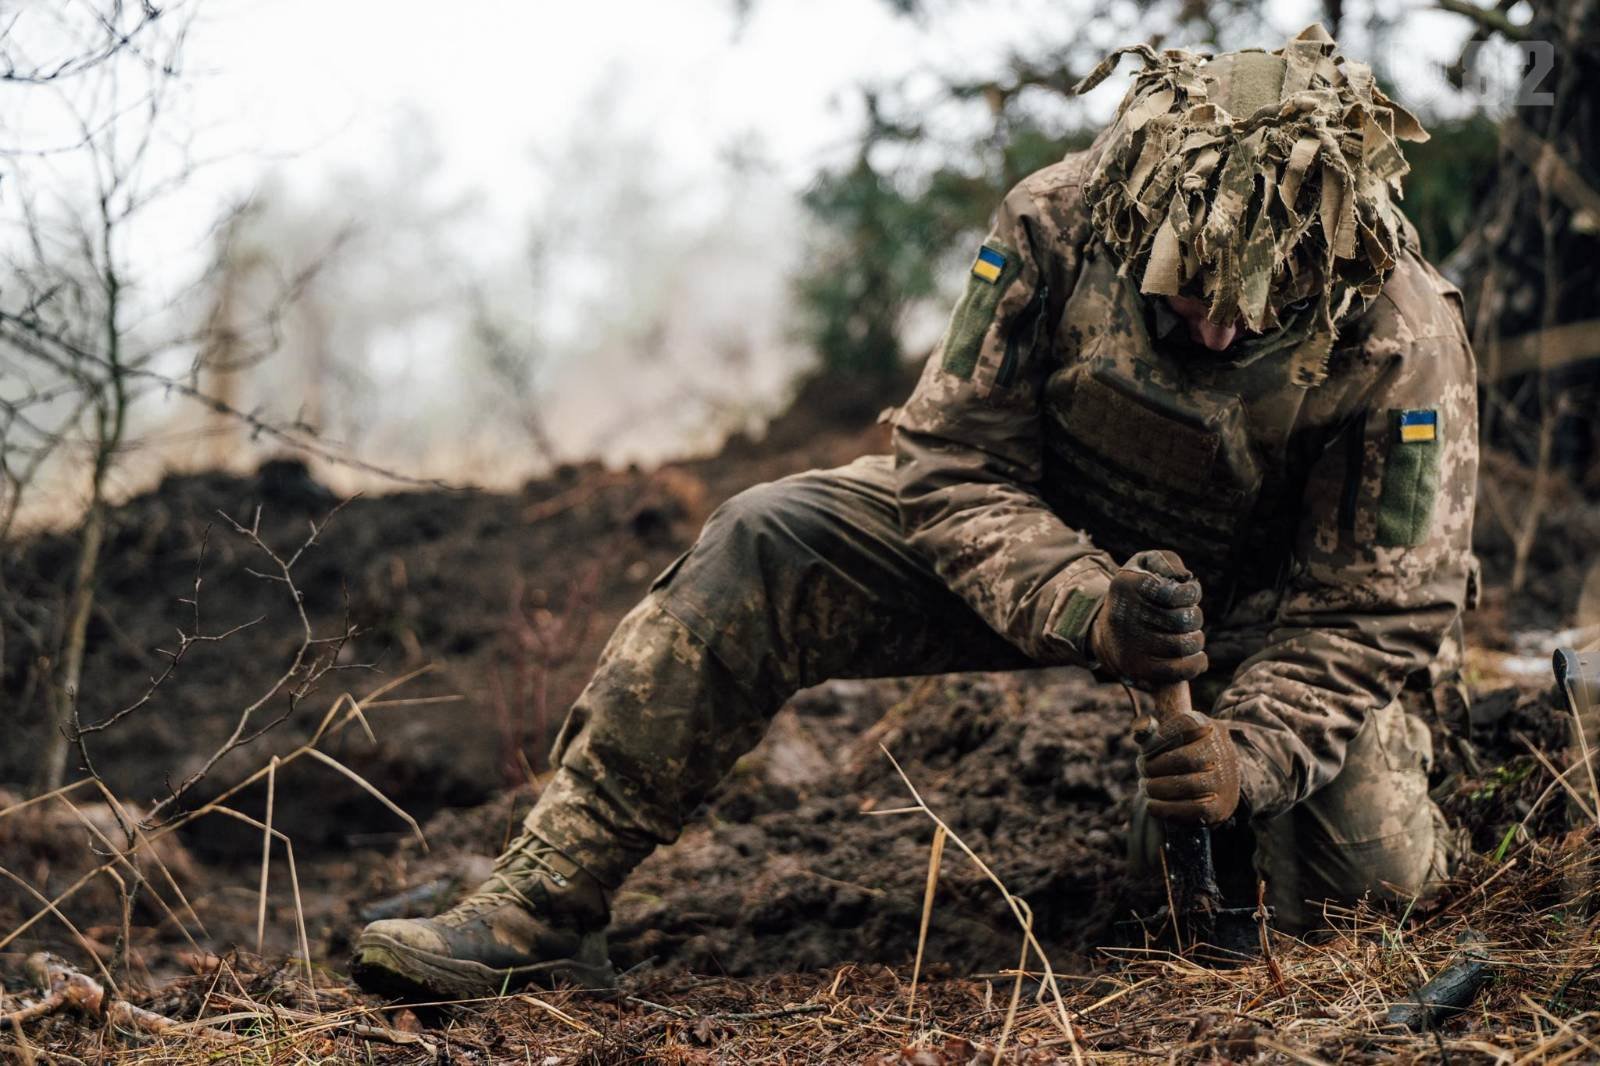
column 809, row 578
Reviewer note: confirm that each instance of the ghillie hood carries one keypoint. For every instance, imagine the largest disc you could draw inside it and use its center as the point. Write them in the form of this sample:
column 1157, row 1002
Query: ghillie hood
column 1262, row 182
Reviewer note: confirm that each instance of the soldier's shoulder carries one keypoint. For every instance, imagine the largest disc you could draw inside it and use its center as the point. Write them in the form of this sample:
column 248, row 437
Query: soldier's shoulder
column 1055, row 195
column 1415, row 322
column 1060, row 183
column 1417, row 304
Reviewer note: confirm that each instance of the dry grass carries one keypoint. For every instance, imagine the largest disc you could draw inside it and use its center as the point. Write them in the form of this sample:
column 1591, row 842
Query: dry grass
column 1529, row 902
column 1319, row 1002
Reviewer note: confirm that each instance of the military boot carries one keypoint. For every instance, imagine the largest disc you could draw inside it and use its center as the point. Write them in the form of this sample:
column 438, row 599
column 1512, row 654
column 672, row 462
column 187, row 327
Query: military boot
column 539, row 918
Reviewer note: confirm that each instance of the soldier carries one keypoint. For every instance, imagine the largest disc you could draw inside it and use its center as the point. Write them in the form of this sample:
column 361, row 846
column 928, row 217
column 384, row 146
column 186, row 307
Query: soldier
column 1204, row 353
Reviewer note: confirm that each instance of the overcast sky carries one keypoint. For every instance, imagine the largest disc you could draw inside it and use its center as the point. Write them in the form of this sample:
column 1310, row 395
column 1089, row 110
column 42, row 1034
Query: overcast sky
column 323, row 79
column 313, row 92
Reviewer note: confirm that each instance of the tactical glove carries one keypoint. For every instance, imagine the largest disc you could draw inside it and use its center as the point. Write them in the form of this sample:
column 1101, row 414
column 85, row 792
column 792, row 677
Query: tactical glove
column 1148, row 628
column 1189, row 770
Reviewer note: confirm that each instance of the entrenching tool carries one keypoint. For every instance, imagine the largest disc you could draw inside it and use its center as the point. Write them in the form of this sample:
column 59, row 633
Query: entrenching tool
column 1578, row 678
column 1208, row 931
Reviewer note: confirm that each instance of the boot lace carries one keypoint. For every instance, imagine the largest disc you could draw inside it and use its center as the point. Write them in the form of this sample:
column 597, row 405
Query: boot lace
column 522, row 868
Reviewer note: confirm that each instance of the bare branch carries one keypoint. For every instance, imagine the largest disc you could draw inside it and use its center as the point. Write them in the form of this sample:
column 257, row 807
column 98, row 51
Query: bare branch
column 313, row 659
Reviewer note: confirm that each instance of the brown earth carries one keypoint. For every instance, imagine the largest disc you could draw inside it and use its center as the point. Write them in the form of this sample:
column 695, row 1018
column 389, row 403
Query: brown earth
column 507, row 596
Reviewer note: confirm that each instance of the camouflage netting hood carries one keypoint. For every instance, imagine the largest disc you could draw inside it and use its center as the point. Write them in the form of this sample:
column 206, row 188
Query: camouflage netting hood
column 1263, row 180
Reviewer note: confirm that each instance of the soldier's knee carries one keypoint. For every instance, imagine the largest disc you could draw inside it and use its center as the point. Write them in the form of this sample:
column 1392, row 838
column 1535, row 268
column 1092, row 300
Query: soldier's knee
column 771, row 516
column 1308, row 871
column 1373, row 833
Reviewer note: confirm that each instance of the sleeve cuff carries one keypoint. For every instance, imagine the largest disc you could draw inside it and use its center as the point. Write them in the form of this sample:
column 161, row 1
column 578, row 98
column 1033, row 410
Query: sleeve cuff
column 1262, row 791
column 1075, row 614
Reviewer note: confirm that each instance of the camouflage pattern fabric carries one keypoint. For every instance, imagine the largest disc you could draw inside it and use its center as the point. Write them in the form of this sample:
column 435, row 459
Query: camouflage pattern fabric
column 1334, row 552
column 789, row 584
column 1318, row 476
column 808, row 578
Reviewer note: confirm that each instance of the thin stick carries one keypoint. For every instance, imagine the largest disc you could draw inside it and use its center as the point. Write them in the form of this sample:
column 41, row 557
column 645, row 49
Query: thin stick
column 1172, row 906
column 329, row 760
column 1112, row 997
column 149, row 848
column 266, row 855
column 558, row 1014
column 67, row 987
column 935, row 854
column 50, row 908
column 1016, row 993
column 41, row 797
column 328, row 727
column 119, row 855
column 1544, row 760
column 294, row 883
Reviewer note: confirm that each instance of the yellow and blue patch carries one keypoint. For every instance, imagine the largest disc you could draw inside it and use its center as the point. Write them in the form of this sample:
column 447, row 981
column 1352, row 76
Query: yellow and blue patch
column 989, row 265
column 1421, row 425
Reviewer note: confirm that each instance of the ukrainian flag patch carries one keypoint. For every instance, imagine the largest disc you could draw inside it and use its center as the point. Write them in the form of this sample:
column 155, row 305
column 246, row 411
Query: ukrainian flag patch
column 1416, row 426
column 989, row 265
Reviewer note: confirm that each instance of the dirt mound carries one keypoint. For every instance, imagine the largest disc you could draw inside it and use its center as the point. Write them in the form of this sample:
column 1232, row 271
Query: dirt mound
column 790, row 870
column 787, row 867
column 511, row 596
column 466, row 581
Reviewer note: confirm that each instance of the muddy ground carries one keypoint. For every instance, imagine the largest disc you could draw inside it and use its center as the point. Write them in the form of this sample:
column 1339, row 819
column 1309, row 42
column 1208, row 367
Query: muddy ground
column 508, row 598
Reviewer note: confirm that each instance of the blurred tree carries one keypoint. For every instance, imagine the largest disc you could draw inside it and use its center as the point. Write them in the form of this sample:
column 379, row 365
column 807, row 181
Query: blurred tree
column 882, row 244
column 926, row 174
column 1530, row 263
column 1531, row 257
column 1451, row 172
column 888, row 236
column 293, row 279
column 1506, row 202
column 44, row 44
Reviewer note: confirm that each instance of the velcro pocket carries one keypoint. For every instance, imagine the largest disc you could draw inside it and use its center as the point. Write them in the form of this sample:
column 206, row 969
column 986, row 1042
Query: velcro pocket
column 996, row 267
column 1410, row 483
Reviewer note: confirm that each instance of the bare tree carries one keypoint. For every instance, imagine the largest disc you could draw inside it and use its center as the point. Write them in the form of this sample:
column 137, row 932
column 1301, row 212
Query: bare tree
column 67, row 331
column 88, row 333
column 41, row 44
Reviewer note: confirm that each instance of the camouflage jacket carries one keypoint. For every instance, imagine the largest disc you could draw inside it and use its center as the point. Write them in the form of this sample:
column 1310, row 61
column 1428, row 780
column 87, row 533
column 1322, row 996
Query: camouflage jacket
column 1324, row 496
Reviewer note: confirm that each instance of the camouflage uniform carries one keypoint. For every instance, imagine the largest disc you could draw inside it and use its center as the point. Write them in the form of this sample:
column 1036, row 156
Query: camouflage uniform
column 1001, row 514
column 1065, row 423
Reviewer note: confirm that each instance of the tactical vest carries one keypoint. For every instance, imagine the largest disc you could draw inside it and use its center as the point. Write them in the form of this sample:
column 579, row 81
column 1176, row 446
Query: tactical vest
column 1146, row 449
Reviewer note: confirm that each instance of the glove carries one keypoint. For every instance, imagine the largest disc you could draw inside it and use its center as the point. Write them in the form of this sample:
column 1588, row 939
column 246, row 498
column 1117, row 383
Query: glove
column 1189, row 770
column 1148, row 628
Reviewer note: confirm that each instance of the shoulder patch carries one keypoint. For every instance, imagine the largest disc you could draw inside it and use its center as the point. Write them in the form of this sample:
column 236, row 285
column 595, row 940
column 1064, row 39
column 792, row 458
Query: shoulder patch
column 989, row 265
column 1418, row 425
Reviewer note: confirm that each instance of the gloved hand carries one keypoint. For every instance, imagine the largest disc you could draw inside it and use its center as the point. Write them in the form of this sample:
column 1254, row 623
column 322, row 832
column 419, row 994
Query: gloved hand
column 1148, row 628
column 1189, row 770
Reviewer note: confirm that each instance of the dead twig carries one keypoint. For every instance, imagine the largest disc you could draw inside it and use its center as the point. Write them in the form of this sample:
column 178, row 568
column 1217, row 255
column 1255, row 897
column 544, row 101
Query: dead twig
column 734, row 1016
column 68, row 989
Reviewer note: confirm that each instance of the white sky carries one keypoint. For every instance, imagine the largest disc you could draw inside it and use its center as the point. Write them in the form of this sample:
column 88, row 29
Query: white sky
column 321, row 78
column 496, row 77
column 315, row 90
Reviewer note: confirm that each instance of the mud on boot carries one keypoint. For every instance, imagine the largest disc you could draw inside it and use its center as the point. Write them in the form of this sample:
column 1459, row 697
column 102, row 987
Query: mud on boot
column 538, row 919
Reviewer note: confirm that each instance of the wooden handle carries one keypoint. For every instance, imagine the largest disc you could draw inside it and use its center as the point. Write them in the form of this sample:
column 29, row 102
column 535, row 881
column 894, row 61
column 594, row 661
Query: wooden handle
column 1190, row 868
column 1171, row 701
